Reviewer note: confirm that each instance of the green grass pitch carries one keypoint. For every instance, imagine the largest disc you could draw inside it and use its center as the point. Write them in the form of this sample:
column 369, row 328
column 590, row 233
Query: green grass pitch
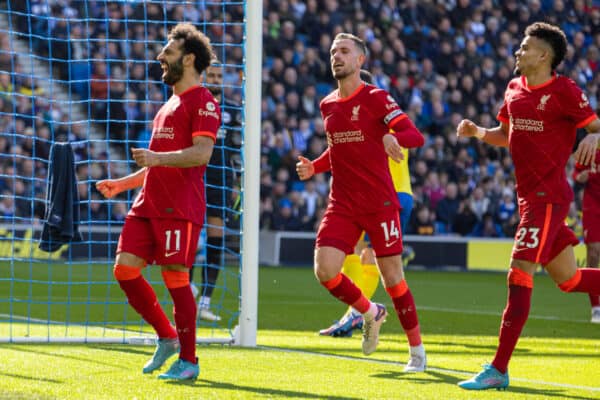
column 558, row 356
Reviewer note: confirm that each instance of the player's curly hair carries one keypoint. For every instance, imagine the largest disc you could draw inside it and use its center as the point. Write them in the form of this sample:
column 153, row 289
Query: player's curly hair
column 194, row 42
column 552, row 35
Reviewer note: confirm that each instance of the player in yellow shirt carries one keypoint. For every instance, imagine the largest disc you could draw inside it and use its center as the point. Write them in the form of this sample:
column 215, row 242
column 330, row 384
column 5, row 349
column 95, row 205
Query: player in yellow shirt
column 360, row 266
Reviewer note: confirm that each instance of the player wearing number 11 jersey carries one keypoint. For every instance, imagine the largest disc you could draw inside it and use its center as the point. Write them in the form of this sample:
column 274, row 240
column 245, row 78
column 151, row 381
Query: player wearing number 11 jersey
column 538, row 122
column 358, row 118
column 165, row 220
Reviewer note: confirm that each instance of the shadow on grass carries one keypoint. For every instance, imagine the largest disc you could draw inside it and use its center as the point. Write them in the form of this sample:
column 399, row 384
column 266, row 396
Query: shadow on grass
column 440, row 377
column 33, row 378
column 276, row 393
column 125, row 348
column 546, row 392
column 49, row 353
column 424, row 377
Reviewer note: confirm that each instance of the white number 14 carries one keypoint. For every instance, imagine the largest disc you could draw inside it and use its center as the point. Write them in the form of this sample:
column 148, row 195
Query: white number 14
column 391, row 231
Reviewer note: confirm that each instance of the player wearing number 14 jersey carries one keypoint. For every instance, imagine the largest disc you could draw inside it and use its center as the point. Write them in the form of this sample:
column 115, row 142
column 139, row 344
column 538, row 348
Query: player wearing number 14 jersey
column 165, row 220
column 358, row 118
column 538, row 123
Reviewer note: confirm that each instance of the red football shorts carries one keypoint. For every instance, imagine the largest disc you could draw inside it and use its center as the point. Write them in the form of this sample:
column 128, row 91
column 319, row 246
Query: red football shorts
column 542, row 233
column 160, row 241
column 591, row 225
column 342, row 231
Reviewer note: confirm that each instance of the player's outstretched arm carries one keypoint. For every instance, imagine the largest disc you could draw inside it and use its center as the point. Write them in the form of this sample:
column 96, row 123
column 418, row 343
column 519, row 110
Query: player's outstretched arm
column 497, row 136
column 112, row 187
column 196, row 155
column 306, row 168
column 586, row 150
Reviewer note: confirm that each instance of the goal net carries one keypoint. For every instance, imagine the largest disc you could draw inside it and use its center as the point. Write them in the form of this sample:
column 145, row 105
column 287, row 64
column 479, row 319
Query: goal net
column 81, row 77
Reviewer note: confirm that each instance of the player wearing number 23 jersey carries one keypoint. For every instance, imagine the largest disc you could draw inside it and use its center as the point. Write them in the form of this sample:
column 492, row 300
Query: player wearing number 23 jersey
column 538, row 122
column 543, row 120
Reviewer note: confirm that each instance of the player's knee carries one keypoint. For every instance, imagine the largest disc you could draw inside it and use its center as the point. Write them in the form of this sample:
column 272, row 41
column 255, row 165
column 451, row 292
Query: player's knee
column 518, row 277
column 570, row 284
column 367, row 256
column 175, row 279
column 125, row 272
column 323, row 275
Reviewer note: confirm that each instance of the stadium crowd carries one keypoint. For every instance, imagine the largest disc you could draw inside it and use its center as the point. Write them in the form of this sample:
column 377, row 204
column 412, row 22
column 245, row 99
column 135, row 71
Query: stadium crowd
column 441, row 60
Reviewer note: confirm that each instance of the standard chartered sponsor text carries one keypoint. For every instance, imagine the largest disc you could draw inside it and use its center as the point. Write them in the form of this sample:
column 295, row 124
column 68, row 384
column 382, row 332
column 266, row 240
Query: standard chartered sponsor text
column 524, row 124
column 163, row 132
column 347, row 136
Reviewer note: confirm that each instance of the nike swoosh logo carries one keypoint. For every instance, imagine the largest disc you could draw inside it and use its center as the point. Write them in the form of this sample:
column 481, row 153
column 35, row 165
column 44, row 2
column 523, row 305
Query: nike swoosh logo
column 171, row 253
column 390, row 244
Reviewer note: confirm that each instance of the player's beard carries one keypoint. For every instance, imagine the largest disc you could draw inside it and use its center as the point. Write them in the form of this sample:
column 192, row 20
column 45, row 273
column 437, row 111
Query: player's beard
column 174, row 72
column 338, row 76
column 215, row 90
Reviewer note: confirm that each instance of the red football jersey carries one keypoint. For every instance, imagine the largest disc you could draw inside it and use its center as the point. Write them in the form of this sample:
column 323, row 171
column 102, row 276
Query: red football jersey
column 178, row 193
column 542, row 123
column 355, row 126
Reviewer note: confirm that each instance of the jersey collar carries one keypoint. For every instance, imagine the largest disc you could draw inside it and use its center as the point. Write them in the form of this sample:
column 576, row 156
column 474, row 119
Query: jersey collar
column 541, row 85
column 189, row 90
column 358, row 89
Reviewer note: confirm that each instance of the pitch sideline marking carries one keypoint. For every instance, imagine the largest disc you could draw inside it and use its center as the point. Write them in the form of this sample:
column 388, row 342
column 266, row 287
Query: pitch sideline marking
column 461, row 311
column 435, row 369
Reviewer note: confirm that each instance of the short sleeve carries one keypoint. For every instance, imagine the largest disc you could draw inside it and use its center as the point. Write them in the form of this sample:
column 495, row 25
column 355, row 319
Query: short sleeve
column 575, row 104
column 503, row 112
column 207, row 118
column 385, row 107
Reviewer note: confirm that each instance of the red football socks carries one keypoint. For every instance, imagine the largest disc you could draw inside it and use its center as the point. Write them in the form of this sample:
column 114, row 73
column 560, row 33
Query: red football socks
column 142, row 298
column 588, row 281
column 342, row 288
column 404, row 304
column 184, row 311
column 513, row 320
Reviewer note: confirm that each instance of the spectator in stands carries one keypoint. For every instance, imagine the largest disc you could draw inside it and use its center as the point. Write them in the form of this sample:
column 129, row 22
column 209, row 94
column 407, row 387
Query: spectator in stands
column 487, row 227
column 447, row 209
column 507, row 206
column 7, row 205
column 284, row 218
column 465, row 220
column 422, row 221
column 479, row 203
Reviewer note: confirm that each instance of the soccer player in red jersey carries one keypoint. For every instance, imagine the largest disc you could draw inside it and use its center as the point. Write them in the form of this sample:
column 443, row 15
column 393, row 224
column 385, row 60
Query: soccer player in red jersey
column 358, row 118
column 164, row 223
column 538, row 123
column 589, row 176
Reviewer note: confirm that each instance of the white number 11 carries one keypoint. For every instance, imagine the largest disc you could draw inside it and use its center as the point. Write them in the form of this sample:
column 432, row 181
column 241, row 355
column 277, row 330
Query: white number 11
column 177, row 240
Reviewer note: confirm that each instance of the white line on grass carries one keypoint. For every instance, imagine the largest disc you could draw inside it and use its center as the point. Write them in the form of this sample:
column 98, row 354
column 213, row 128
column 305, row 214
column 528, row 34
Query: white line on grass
column 492, row 313
column 82, row 326
column 442, row 370
column 457, row 311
